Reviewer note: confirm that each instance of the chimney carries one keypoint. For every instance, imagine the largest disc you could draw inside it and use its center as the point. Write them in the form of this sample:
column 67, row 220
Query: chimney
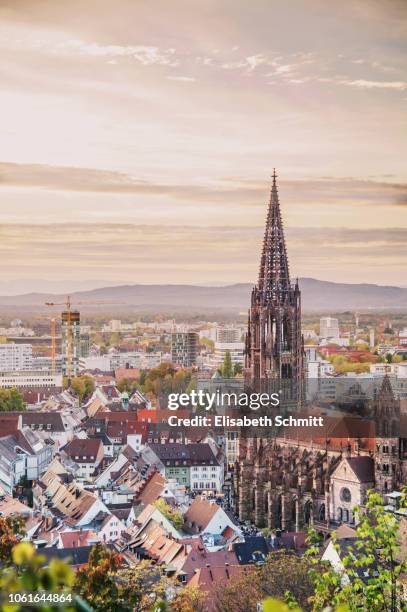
column 210, row 571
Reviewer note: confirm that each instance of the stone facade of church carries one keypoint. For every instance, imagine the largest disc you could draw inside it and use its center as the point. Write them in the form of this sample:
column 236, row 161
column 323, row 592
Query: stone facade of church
column 284, row 483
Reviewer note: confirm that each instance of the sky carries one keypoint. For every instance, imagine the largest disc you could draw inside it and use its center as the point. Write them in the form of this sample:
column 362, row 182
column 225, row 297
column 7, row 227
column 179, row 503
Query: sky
column 137, row 140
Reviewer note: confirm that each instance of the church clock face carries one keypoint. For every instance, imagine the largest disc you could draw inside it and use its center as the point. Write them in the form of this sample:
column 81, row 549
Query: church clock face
column 345, row 494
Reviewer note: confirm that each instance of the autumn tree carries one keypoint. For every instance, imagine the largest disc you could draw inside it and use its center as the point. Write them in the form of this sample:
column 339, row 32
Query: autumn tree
column 97, row 583
column 285, row 575
column 11, row 400
column 11, row 531
column 189, row 599
column 240, row 593
column 82, row 386
column 143, row 587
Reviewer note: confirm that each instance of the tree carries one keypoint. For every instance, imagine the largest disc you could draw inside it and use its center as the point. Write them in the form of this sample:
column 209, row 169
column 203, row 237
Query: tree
column 11, row 400
column 128, row 385
column 82, row 386
column 376, row 554
column 227, row 370
column 11, row 531
column 106, row 585
column 97, row 584
column 240, row 593
column 285, row 575
column 189, row 599
column 27, row 572
column 143, row 587
column 210, row 345
column 174, row 516
column 237, row 369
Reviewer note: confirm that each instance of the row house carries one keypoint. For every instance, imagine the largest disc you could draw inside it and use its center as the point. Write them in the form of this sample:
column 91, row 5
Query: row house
column 196, row 466
column 87, row 453
column 23, row 454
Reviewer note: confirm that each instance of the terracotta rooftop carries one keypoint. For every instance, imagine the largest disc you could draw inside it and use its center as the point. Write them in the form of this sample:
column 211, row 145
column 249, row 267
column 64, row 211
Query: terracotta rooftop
column 200, row 513
column 74, row 539
column 152, row 490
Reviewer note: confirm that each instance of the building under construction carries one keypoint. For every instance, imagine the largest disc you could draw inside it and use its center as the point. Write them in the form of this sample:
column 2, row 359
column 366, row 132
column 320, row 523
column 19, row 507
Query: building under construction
column 70, row 341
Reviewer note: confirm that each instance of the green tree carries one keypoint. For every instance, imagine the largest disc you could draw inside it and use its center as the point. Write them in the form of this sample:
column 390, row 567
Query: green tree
column 191, row 385
column 227, row 369
column 376, row 555
column 11, row 400
column 237, row 369
column 210, row 345
column 28, row 572
column 174, row 516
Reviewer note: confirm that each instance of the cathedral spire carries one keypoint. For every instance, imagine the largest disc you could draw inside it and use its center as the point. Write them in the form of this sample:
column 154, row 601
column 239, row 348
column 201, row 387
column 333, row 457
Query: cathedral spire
column 274, row 277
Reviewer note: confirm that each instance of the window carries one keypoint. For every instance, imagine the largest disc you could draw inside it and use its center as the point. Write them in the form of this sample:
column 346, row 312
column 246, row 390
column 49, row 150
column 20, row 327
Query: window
column 345, row 495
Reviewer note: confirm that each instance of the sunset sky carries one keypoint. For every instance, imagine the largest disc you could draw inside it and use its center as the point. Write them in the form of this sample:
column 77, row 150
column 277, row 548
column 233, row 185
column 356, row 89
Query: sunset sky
column 137, row 139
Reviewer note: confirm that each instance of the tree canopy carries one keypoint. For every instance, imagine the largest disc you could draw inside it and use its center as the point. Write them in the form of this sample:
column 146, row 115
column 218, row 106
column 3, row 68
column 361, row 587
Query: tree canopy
column 11, row 400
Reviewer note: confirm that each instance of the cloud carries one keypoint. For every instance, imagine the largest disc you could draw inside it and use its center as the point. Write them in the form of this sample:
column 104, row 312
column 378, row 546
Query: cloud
column 155, row 253
column 145, row 54
column 365, row 84
column 229, row 190
column 185, row 79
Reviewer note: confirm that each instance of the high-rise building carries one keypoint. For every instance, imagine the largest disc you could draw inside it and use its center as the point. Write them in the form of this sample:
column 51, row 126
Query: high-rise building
column 274, row 345
column 328, row 327
column 228, row 334
column 84, row 346
column 15, row 357
column 235, row 349
column 184, row 348
column 71, row 342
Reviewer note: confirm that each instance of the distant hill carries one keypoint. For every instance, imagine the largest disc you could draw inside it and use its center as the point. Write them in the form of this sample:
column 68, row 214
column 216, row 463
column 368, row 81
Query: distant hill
column 316, row 296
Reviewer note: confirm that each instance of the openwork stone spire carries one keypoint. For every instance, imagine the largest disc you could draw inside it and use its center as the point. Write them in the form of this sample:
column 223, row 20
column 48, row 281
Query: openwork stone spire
column 274, row 347
column 274, row 277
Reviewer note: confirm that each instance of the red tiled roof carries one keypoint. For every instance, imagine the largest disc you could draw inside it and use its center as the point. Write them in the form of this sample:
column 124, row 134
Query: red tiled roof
column 152, row 490
column 73, row 539
column 200, row 513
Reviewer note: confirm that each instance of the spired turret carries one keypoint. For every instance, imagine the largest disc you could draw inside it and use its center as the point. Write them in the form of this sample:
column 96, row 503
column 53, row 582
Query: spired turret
column 274, row 347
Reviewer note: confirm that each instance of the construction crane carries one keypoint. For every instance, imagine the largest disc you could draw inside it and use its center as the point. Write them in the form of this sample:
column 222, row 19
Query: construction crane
column 53, row 327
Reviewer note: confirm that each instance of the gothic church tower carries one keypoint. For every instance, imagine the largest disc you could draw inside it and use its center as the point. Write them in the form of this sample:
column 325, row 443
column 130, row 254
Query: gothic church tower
column 274, row 345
